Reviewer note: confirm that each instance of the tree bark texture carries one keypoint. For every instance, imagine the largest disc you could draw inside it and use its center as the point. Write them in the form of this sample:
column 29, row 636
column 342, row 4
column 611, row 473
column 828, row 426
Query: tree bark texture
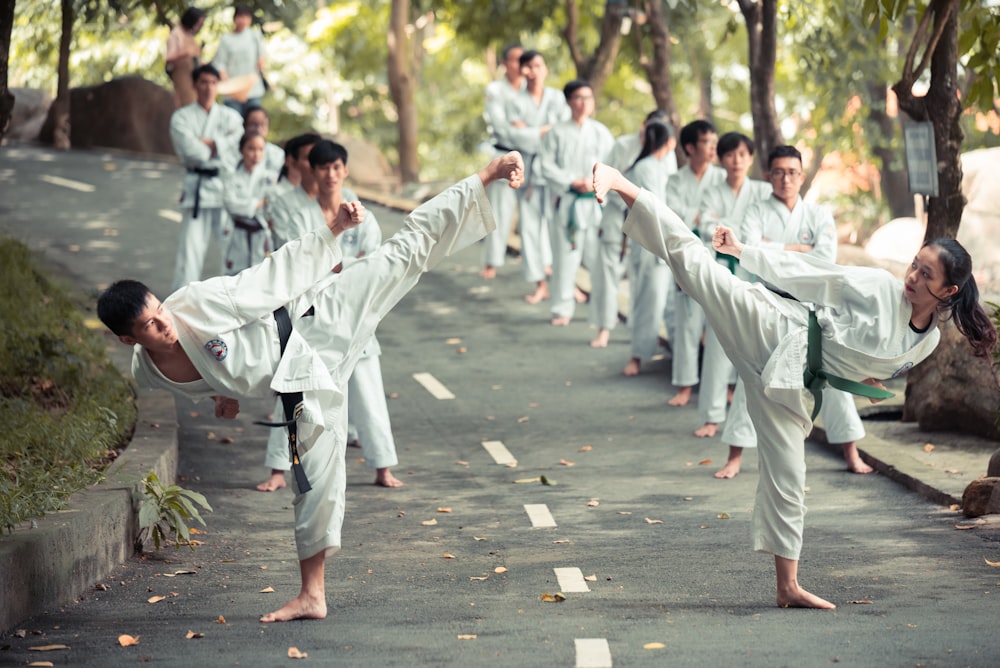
column 61, row 132
column 761, row 17
column 657, row 67
column 6, row 98
column 402, row 85
column 598, row 66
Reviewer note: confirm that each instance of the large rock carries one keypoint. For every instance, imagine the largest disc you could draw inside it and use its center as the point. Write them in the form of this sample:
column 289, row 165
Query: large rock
column 31, row 105
column 130, row 113
column 369, row 167
column 953, row 390
column 981, row 497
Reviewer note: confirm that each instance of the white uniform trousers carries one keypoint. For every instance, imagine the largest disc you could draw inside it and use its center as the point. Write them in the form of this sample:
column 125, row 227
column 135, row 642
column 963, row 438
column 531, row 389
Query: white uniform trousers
column 504, row 203
column 650, row 281
column 534, row 208
column 245, row 249
column 196, row 233
column 688, row 329
column 717, row 374
column 567, row 255
column 368, row 414
column 606, row 277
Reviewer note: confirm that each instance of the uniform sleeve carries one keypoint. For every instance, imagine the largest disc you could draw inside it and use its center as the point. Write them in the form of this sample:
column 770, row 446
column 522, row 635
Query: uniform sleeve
column 557, row 177
column 496, row 116
column 237, row 196
column 681, row 202
column 752, row 228
column 804, row 276
column 825, row 239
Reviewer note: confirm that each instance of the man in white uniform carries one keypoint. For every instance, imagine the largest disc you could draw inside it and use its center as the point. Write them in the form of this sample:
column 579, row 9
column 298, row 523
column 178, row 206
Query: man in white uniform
column 502, row 199
column 220, row 338
column 530, row 114
column 257, row 120
column 785, row 221
column 698, row 140
column 286, row 221
column 206, row 138
column 569, row 152
column 242, row 53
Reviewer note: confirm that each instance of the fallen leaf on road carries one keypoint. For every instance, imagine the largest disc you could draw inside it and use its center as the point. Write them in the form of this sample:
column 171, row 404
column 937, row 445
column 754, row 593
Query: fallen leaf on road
column 557, row 597
column 861, row 601
column 994, row 564
column 462, row 462
column 964, row 527
column 448, row 556
column 191, row 634
column 444, row 510
column 521, row 481
column 155, row 599
column 394, row 395
column 705, row 462
column 624, row 512
column 294, row 653
column 128, row 641
column 176, row 573
column 210, row 435
column 20, row 633
column 467, row 636
column 42, row 664
column 649, row 521
column 478, row 578
column 226, row 439
column 723, row 516
column 266, row 590
column 479, row 538
column 532, row 404
column 52, row 648
column 454, row 341
column 500, row 570
column 429, row 523
column 221, row 620
column 586, row 448
column 195, row 530
column 703, row 526
column 194, row 414
column 100, row 586
column 929, row 447
column 566, row 462
column 593, row 503
column 590, row 578
column 461, row 349
column 522, row 419
column 547, row 481
column 653, row 645
column 954, row 506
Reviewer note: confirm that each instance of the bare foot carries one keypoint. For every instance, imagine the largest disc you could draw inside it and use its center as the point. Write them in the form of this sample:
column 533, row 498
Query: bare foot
column 632, row 368
column 300, row 607
column 509, row 166
column 605, row 179
column 540, row 294
column 853, row 458
column 548, row 270
column 800, row 598
column 488, row 272
column 385, row 478
column 682, row 397
column 732, row 467
column 601, row 340
column 707, row 430
column 561, row 321
column 274, row 482
column 580, row 296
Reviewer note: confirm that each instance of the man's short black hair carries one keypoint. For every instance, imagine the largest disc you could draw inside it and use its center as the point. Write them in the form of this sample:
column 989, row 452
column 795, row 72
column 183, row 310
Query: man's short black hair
column 242, row 10
column 293, row 145
column 575, row 85
column 121, row 304
column 207, row 68
column 505, row 54
column 327, row 152
column 695, row 130
column 528, row 56
column 253, row 108
column 658, row 115
column 783, row 151
column 731, row 141
column 191, row 16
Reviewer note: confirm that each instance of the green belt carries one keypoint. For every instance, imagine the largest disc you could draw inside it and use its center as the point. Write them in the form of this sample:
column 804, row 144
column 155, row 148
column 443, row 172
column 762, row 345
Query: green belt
column 730, row 260
column 816, row 379
column 571, row 224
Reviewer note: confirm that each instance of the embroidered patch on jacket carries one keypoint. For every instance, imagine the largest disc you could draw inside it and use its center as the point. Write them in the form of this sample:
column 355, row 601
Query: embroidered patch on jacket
column 217, row 348
column 903, row 369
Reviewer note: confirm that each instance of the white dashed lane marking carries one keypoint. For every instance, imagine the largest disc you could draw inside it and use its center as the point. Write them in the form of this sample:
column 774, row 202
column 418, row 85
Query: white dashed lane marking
column 499, row 452
column 592, row 653
column 68, row 183
column 571, row 580
column 171, row 215
column 433, row 385
column 539, row 515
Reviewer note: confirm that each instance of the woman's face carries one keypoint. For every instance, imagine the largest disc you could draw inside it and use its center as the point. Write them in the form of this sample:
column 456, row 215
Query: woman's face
column 926, row 281
column 252, row 152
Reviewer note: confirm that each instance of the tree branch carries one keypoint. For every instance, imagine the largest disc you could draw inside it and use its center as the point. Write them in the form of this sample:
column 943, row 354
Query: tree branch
column 939, row 27
column 571, row 33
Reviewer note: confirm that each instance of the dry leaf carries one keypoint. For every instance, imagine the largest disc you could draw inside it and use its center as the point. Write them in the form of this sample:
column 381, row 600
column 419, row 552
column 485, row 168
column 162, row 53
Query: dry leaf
column 444, row 510
column 20, row 633
column 461, row 349
column 861, row 601
column 42, row 664
column 994, row 564
column 100, row 586
column 723, row 516
column 128, row 641
column 954, row 506
column 478, row 578
column 155, row 599
column 221, row 620
column 526, row 480
column 429, row 523
column 964, row 527
column 266, row 590
column 394, row 395
column 448, row 556
column 478, row 538
column 263, row 567
column 952, row 471
column 452, row 341
column 51, row 648
column 929, row 447
column 191, row 634
column 194, row 414
column 210, row 436
column 590, row 578
column 649, row 521
column 586, row 448
column 557, row 597
column 462, row 462
column 294, row 653
column 560, row 542
column 705, row 462
column 593, row 503
column 500, row 569
column 467, row 636
column 523, row 418
column 547, row 481
column 624, row 512
column 653, row 645
column 226, row 439
column 566, row 462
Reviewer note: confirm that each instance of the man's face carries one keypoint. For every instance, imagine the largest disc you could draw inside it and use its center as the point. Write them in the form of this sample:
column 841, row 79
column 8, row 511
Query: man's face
column 703, row 151
column 153, row 328
column 786, row 177
column 241, row 22
column 535, row 70
column 330, row 176
column 737, row 161
column 206, row 88
column 581, row 103
column 257, row 122
column 512, row 64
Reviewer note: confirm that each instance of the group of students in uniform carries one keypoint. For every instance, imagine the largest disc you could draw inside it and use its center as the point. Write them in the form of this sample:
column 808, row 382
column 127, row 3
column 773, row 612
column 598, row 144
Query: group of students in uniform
column 297, row 322
column 561, row 225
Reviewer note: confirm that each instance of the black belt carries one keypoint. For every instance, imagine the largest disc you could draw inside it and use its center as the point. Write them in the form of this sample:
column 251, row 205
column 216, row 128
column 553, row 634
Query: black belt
column 505, row 149
column 292, row 404
column 202, row 172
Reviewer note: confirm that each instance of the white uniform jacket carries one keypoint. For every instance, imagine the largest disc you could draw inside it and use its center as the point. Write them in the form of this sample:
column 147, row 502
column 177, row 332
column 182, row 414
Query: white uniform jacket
column 498, row 95
column 806, row 223
column 528, row 140
column 188, row 126
column 684, row 192
column 244, row 191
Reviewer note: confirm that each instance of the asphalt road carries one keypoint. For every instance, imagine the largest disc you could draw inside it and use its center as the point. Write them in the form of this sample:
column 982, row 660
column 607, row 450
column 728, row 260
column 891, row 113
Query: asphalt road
column 634, row 505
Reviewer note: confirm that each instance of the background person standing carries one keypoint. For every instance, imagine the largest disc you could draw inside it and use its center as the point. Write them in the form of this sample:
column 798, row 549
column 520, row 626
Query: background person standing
column 241, row 54
column 184, row 55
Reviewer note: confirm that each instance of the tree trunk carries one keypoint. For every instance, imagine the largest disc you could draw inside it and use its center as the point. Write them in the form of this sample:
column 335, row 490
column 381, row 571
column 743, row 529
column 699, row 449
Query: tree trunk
column 61, row 128
column 761, row 18
column 402, row 85
column 6, row 99
column 657, row 68
column 598, row 66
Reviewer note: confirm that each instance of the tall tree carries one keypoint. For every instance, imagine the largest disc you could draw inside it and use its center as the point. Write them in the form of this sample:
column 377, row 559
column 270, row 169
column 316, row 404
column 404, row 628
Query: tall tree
column 61, row 128
column 6, row 99
column 761, row 17
column 402, row 84
column 596, row 67
column 657, row 65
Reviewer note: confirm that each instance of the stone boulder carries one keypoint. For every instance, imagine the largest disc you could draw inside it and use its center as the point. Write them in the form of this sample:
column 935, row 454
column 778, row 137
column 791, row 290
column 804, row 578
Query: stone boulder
column 369, row 167
column 131, row 114
column 981, row 497
column 953, row 390
column 31, row 105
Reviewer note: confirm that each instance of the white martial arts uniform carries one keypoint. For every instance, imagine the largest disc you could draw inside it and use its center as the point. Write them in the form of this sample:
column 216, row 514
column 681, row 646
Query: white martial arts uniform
column 227, row 329
column 188, row 126
column 866, row 334
column 809, row 224
column 274, row 157
column 650, row 280
column 569, row 151
column 244, row 196
column 720, row 206
column 606, row 278
column 502, row 198
column 684, row 193
column 286, row 220
column 534, row 202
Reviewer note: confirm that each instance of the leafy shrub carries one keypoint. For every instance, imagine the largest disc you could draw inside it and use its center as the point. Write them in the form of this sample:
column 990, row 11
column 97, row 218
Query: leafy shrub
column 166, row 510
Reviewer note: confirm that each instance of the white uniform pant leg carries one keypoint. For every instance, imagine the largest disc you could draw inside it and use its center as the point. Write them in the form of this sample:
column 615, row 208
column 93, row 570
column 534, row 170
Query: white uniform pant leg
column 319, row 513
column 277, row 457
column 716, row 370
column 605, row 282
column 649, row 283
column 688, row 330
column 196, row 234
column 566, row 258
column 840, row 417
column 670, row 310
column 739, row 430
column 503, row 199
column 245, row 249
column 591, row 260
column 532, row 208
column 368, row 413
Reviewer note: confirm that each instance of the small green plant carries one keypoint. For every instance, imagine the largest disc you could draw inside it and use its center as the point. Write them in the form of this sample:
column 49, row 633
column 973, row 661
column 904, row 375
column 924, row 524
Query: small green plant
column 167, row 510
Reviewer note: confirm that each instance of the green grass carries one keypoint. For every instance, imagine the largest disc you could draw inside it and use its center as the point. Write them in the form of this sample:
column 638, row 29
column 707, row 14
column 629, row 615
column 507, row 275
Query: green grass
column 65, row 411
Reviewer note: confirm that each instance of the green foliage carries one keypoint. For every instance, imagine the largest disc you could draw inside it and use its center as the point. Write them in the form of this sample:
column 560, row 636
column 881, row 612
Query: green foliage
column 167, row 510
column 65, row 409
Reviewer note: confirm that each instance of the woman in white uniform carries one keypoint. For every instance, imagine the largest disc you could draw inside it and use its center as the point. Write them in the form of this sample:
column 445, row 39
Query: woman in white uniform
column 872, row 327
